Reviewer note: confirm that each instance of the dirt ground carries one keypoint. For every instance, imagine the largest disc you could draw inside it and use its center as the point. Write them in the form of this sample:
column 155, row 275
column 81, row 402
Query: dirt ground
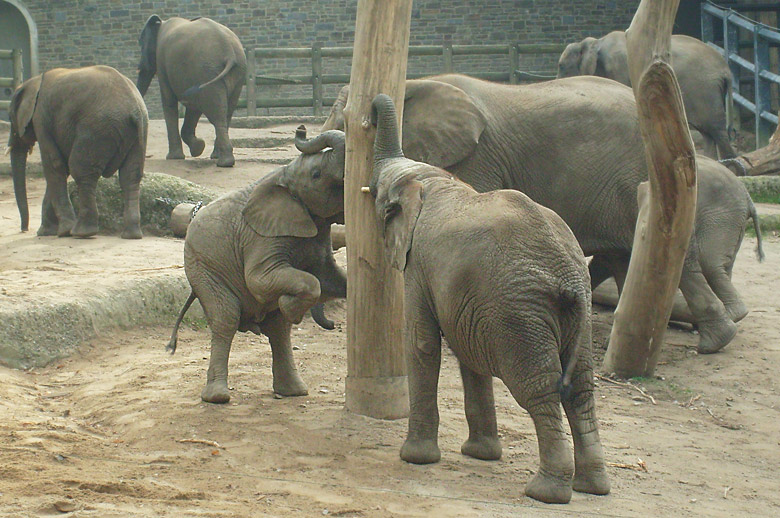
column 119, row 429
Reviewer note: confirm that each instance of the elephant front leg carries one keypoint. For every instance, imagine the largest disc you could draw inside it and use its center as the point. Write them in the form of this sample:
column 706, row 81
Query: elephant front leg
column 716, row 328
column 295, row 291
column 287, row 382
column 423, row 361
column 483, row 440
column 57, row 215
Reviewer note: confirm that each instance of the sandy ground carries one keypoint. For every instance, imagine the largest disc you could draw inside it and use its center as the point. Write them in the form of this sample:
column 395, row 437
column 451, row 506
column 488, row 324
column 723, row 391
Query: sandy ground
column 101, row 433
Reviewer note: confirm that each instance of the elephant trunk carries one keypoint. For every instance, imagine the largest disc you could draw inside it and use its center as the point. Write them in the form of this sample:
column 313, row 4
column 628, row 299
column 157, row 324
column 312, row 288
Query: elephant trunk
column 332, row 139
column 383, row 116
column 19, row 173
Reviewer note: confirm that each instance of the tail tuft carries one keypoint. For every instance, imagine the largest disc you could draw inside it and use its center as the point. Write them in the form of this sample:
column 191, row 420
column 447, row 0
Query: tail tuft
column 565, row 388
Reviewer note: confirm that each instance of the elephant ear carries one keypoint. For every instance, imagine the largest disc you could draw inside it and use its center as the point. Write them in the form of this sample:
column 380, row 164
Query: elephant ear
column 589, row 56
column 441, row 124
column 23, row 103
column 399, row 219
column 273, row 212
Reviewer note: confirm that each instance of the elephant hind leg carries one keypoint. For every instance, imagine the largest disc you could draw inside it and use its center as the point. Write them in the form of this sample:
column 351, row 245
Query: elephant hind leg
column 130, row 173
column 223, row 313
column 716, row 328
column 223, row 149
column 720, row 283
column 483, row 440
column 196, row 145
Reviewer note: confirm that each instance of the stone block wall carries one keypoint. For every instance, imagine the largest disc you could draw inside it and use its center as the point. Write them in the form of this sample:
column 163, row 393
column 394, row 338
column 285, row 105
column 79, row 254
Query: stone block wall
column 84, row 32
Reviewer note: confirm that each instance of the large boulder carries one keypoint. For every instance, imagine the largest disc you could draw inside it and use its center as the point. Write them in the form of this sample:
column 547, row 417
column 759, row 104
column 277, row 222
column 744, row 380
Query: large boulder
column 160, row 193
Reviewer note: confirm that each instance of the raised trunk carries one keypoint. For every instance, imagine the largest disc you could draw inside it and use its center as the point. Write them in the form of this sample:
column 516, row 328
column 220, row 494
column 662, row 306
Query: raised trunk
column 19, row 172
column 384, row 117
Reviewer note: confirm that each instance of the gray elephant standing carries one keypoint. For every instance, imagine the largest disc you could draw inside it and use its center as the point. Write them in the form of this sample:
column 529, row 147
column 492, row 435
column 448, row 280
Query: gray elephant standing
column 513, row 302
column 89, row 122
column 701, row 71
column 201, row 64
column 572, row 145
column 259, row 258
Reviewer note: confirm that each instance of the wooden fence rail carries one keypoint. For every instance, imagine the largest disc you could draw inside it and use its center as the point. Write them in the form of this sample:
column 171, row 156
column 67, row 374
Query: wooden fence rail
column 318, row 77
column 15, row 56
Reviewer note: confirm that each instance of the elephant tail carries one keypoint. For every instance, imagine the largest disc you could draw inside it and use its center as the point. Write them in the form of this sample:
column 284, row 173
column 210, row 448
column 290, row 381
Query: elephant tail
column 573, row 300
column 171, row 347
column 197, row 88
column 756, row 225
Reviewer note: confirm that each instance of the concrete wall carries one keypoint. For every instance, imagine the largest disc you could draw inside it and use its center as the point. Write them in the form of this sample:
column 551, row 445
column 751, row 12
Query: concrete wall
column 84, row 32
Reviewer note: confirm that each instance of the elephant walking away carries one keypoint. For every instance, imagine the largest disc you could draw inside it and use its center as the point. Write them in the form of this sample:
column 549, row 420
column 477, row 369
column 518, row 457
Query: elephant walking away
column 572, row 145
column 701, row 71
column 89, row 122
column 201, row 64
column 513, row 302
column 259, row 258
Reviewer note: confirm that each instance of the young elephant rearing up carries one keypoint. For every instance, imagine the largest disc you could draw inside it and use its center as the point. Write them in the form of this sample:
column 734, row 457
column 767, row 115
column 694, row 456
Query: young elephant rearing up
column 504, row 280
column 259, row 258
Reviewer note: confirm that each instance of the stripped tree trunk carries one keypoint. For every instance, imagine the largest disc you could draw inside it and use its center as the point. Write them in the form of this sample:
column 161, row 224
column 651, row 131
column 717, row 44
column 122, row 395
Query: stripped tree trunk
column 376, row 383
column 762, row 161
column 667, row 202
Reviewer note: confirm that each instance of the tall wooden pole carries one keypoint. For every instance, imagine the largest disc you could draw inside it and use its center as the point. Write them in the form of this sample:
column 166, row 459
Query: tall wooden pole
column 667, row 201
column 376, row 373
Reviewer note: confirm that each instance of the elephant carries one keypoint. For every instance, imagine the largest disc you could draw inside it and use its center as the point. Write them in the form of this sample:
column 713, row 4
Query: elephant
column 89, row 122
column 201, row 64
column 513, row 302
column 701, row 71
column 259, row 258
column 572, row 145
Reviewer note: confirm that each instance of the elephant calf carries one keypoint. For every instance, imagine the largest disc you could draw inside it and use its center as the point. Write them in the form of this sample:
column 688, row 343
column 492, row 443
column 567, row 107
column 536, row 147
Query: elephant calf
column 89, row 122
column 513, row 302
column 259, row 258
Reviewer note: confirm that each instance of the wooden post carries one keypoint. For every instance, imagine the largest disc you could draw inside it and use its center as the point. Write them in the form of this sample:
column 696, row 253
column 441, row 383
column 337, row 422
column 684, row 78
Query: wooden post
column 316, row 77
column 447, row 53
column 514, row 64
column 376, row 372
column 251, row 94
column 18, row 68
column 667, row 201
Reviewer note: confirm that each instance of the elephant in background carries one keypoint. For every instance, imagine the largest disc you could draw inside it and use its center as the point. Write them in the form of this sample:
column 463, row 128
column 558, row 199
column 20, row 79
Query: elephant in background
column 259, row 258
column 572, row 145
column 513, row 302
column 89, row 122
column 201, row 64
column 701, row 71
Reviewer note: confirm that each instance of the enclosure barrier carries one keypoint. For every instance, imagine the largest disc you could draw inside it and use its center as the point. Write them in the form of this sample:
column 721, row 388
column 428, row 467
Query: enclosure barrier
column 318, row 78
column 763, row 37
column 15, row 55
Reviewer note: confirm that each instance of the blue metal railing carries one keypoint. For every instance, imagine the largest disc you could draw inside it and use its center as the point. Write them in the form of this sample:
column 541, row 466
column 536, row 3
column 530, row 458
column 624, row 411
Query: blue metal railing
column 759, row 68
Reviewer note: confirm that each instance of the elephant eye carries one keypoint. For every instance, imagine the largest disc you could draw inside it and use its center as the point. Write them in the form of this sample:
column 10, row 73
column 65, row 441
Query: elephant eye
column 316, row 173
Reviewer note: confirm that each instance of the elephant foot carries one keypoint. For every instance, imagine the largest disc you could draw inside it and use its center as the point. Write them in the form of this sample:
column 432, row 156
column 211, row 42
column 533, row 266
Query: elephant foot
column 214, row 154
column 216, row 392
column 175, row 155
column 736, row 311
column 593, row 481
column 65, row 227
column 549, row 489
column 197, row 146
column 481, row 447
column 292, row 308
column 424, row 451
column 84, row 230
column 132, row 233
column 226, row 161
column 715, row 335
column 291, row 386
column 49, row 230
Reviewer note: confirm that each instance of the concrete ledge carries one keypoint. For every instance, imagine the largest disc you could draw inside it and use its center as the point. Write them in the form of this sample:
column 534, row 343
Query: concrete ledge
column 266, row 121
column 36, row 335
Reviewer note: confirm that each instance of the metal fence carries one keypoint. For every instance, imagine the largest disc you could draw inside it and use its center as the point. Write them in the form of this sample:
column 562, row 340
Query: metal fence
column 15, row 56
column 714, row 19
column 318, row 77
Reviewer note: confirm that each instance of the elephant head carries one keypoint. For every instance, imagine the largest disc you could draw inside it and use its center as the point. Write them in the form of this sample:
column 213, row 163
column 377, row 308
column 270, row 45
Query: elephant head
column 579, row 59
column 22, row 139
column 441, row 123
column 309, row 190
column 148, row 41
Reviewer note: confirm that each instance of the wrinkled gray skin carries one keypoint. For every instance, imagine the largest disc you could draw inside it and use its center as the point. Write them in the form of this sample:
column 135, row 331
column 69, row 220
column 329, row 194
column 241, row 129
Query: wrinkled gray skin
column 702, row 73
column 89, row 122
column 201, row 64
column 259, row 258
column 514, row 303
column 572, row 145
